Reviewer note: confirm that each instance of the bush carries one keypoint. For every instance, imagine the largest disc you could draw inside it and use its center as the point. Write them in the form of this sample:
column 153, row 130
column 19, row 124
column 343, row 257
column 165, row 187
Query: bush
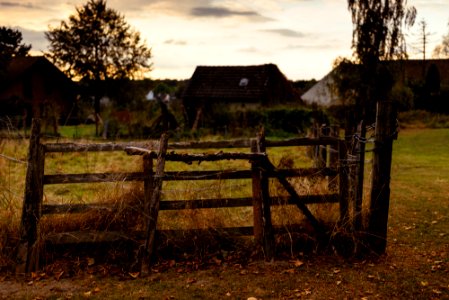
column 284, row 121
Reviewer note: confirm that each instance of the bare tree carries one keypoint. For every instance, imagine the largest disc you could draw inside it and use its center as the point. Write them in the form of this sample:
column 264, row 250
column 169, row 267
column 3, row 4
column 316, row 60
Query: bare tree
column 442, row 50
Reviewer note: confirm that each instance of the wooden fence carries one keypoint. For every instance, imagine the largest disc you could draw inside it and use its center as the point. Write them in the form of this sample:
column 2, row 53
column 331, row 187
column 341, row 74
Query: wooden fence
column 259, row 173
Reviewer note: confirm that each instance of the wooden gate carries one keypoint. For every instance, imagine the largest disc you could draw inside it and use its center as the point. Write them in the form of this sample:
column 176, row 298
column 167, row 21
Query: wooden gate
column 260, row 172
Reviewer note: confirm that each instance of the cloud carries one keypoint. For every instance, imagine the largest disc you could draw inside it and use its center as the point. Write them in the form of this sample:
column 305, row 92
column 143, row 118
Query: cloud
column 13, row 5
column 249, row 50
column 219, row 12
column 175, row 42
column 35, row 38
column 286, row 32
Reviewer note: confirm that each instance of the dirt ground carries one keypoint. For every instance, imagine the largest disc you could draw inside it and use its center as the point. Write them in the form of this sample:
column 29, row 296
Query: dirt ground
column 405, row 272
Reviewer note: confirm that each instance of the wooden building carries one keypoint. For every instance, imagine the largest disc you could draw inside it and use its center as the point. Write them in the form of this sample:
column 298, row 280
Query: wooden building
column 234, row 88
column 33, row 87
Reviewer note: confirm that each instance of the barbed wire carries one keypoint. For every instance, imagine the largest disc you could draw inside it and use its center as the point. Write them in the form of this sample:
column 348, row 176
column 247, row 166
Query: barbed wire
column 233, row 186
column 13, row 159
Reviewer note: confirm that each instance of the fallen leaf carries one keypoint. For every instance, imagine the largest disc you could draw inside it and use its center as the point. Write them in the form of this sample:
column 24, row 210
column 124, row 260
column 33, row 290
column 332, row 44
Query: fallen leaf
column 30, row 282
column 339, row 282
column 297, row 263
column 191, row 280
column 217, row 261
column 58, row 275
column 336, row 271
column 96, row 290
column 438, row 292
column 252, row 298
column 134, row 275
column 289, row 271
column 88, row 294
column 90, row 261
column 243, row 272
column 228, row 294
column 424, row 283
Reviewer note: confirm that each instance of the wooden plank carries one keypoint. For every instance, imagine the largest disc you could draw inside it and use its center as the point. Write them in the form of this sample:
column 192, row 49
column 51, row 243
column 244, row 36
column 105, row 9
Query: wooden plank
column 93, row 177
column 257, row 196
column 263, row 229
column 100, row 147
column 148, row 186
column 343, row 184
column 303, row 142
column 207, row 175
column 49, row 209
column 88, row 237
column 380, row 190
column 301, row 205
column 333, row 159
column 360, row 175
column 53, row 209
column 27, row 254
column 154, row 205
column 238, row 143
column 178, row 176
column 190, row 158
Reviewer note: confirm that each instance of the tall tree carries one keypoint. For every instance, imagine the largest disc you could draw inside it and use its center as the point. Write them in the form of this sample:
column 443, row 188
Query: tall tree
column 377, row 35
column 442, row 50
column 96, row 44
column 11, row 46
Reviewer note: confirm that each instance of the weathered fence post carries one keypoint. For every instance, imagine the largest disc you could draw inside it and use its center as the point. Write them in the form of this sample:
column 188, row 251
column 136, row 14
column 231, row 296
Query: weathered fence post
column 343, row 183
column 28, row 250
column 360, row 173
column 333, row 158
column 263, row 231
column 147, row 185
column 153, row 206
column 380, row 189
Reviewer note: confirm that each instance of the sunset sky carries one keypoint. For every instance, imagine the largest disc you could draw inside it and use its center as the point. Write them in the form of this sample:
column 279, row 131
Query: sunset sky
column 303, row 37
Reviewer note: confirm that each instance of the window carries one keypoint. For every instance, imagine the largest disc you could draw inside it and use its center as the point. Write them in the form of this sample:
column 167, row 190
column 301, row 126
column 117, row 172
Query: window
column 244, row 82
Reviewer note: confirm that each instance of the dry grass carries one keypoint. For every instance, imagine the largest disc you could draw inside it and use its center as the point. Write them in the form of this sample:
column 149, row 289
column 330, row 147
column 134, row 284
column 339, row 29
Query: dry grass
column 126, row 198
column 415, row 267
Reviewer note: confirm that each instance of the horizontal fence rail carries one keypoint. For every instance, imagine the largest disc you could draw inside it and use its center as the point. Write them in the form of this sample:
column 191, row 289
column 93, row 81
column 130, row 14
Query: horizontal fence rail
column 182, row 175
column 190, row 204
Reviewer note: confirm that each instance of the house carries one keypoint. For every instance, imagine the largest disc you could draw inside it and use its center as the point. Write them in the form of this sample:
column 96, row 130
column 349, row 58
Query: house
column 34, row 87
column 234, row 88
column 409, row 73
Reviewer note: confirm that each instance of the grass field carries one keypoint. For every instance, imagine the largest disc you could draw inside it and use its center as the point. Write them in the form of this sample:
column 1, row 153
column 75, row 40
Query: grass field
column 416, row 265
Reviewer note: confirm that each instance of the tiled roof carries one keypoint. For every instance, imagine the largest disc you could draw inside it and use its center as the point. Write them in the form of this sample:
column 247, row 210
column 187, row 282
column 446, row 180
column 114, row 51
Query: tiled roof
column 234, row 82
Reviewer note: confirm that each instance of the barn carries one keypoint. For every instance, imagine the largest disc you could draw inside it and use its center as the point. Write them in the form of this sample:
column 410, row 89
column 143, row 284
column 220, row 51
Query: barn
column 233, row 88
column 34, row 87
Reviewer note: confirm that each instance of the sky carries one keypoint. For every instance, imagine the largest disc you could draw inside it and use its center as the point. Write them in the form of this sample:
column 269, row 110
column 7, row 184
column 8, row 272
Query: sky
column 302, row 37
